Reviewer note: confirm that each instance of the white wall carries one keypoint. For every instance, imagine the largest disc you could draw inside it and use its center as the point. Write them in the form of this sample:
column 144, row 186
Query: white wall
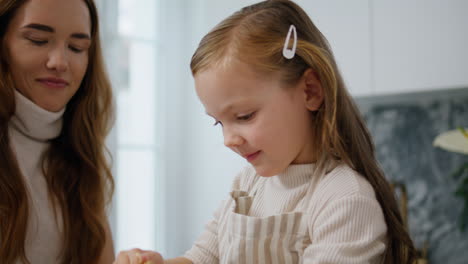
column 420, row 45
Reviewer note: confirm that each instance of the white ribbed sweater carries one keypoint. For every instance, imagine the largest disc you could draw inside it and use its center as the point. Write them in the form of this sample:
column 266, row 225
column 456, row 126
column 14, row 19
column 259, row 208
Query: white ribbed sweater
column 30, row 130
column 345, row 223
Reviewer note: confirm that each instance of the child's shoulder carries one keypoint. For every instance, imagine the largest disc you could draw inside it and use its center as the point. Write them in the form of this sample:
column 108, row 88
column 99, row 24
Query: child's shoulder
column 342, row 181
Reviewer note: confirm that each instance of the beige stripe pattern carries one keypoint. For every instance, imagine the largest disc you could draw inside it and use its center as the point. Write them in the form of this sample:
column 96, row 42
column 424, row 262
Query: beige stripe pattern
column 277, row 239
column 295, row 217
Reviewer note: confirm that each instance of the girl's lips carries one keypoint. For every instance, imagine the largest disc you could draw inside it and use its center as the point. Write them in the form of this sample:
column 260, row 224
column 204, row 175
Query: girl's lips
column 251, row 157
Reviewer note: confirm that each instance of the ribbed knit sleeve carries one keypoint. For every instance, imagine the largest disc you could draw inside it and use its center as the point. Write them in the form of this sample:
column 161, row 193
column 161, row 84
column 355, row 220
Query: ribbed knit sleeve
column 205, row 249
column 349, row 230
column 346, row 223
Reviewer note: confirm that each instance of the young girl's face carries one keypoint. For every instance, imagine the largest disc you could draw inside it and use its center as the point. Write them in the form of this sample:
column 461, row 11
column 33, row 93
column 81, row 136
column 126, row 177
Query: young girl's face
column 263, row 121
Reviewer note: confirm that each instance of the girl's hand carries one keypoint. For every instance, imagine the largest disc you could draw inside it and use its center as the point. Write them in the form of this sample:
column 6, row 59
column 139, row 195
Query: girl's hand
column 138, row 256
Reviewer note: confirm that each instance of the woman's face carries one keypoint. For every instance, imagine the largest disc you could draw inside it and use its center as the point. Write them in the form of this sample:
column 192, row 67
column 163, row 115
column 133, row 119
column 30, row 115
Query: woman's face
column 47, row 43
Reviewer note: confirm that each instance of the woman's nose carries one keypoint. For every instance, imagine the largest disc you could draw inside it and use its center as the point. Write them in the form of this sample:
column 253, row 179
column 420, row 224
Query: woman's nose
column 58, row 60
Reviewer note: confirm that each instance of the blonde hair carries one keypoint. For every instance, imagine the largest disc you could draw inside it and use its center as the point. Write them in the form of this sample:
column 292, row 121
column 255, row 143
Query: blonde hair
column 255, row 35
column 78, row 153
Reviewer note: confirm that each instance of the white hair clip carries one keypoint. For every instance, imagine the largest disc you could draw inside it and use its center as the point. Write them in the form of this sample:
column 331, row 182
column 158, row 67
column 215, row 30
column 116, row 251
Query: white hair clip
column 289, row 53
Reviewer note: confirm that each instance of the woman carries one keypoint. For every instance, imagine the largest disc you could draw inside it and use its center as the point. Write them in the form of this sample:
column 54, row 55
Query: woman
column 55, row 111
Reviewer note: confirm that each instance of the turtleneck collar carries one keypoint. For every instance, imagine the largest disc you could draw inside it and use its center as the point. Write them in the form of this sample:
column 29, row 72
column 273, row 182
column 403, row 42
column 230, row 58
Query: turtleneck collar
column 296, row 174
column 35, row 122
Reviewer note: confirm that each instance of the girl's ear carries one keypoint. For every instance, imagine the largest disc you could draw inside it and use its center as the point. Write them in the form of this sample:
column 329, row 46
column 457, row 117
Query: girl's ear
column 313, row 91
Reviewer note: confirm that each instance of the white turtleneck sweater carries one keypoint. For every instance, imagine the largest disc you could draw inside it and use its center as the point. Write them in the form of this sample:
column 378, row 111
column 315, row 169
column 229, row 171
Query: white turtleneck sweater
column 30, row 130
column 342, row 220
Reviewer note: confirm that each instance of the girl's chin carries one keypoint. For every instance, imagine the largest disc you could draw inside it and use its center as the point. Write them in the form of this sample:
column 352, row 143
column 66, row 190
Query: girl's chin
column 265, row 172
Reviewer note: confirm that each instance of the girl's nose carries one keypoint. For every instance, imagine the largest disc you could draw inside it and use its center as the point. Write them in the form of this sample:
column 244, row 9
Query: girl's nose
column 58, row 60
column 232, row 139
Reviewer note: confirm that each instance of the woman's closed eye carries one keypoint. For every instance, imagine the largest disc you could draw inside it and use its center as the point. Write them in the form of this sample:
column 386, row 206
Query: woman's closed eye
column 38, row 42
column 75, row 49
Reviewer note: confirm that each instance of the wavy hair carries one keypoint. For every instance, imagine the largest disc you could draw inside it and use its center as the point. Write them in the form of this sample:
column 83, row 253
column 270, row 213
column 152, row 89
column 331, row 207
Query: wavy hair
column 79, row 152
column 255, row 35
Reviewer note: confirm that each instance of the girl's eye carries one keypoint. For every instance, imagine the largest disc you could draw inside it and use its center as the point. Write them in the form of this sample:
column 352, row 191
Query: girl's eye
column 246, row 117
column 74, row 49
column 218, row 123
column 38, row 42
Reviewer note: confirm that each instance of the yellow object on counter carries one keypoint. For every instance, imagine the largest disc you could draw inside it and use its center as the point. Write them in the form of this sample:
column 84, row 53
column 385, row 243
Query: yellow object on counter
column 138, row 255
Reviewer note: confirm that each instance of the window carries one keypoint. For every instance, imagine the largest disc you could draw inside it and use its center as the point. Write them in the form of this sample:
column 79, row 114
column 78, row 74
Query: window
column 133, row 67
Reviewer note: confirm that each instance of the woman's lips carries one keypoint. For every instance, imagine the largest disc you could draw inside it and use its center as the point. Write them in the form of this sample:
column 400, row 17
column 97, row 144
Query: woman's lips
column 53, row 82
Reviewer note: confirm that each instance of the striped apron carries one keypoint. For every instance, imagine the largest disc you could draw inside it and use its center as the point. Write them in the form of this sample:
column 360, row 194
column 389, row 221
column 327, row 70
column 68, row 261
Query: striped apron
column 276, row 239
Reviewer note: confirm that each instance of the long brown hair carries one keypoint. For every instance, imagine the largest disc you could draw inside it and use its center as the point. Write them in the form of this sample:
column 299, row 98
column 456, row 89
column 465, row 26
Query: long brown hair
column 75, row 166
column 255, row 35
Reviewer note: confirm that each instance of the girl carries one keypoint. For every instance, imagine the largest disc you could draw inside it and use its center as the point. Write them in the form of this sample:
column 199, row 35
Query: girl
column 313, row 192
column 55, row 111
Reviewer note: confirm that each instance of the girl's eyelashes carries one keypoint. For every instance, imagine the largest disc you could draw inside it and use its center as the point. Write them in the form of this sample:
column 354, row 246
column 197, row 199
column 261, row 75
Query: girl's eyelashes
column 238, row 118
column 246, row 117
